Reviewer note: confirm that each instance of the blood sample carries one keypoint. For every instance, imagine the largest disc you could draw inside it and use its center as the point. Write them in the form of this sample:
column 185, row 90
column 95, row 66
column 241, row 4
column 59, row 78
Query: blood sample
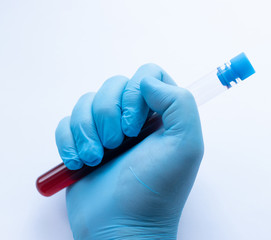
column 60, row 176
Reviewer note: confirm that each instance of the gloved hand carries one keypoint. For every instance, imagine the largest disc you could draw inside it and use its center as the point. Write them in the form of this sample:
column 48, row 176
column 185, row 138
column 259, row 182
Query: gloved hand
column 140, row 194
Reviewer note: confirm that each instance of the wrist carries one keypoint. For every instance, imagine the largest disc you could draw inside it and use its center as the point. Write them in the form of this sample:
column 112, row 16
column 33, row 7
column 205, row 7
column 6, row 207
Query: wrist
column 139, row 231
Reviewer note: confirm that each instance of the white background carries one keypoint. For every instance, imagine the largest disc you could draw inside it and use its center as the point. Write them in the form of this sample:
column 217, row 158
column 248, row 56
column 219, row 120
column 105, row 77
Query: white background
column 53, row 51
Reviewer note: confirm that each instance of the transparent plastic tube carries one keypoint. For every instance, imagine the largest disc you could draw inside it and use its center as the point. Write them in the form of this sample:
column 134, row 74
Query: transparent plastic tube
column 206, row 88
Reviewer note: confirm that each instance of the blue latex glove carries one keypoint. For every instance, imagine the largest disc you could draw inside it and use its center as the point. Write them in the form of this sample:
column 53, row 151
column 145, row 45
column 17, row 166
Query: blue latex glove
column 140, row 194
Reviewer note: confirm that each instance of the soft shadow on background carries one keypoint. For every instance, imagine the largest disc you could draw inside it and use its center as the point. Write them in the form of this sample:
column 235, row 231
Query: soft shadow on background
column 51, row 52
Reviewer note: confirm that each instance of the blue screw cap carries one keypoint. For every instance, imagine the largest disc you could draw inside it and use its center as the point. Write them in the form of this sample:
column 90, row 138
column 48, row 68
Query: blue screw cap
column 239, row 68
column 242, row 66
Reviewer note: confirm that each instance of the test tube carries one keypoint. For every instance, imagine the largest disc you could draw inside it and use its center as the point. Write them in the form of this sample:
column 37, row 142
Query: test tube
column 204, row 89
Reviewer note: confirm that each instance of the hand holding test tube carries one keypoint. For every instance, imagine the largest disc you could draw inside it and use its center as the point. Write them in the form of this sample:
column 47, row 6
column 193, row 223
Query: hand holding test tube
column 221, row 79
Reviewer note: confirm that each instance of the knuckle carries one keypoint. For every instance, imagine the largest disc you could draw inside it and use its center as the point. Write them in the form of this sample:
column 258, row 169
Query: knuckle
column 61, row 125
column 115, row 78
column 149, row 67
column 81, row 114
column 87, row 96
